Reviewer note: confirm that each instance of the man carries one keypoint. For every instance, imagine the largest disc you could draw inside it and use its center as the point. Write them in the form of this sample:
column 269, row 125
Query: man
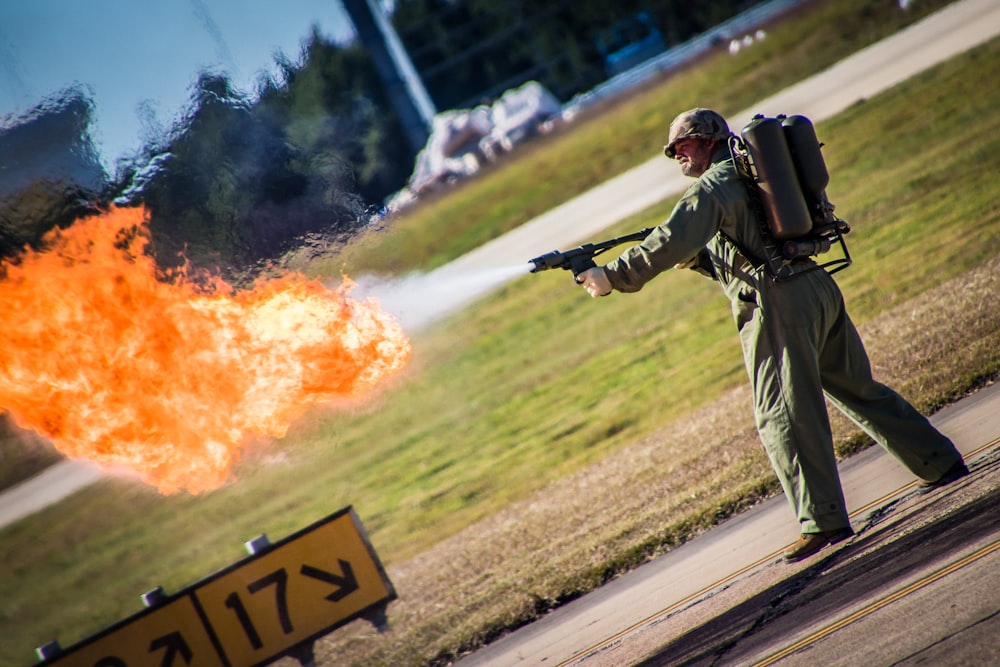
column 798, row 342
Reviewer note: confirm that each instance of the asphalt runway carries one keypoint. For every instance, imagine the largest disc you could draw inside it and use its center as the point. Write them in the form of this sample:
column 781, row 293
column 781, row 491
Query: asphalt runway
column 919, row 583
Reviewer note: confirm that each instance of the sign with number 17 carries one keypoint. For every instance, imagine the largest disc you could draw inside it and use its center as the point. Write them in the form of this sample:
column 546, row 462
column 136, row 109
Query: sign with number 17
column 261, row 608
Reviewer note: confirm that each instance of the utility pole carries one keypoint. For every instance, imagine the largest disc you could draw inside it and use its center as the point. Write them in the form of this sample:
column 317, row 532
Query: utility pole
column 406, row 91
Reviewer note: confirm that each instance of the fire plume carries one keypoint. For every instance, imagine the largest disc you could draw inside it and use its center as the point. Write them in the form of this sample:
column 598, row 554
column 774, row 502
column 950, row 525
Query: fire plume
column 168, row 378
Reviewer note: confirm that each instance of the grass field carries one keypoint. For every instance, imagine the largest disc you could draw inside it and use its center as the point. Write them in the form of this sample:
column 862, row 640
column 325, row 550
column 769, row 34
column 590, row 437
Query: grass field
column 542, row 441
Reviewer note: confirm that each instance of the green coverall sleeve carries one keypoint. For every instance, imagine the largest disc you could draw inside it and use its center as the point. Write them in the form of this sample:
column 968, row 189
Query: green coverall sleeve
column 696, row 218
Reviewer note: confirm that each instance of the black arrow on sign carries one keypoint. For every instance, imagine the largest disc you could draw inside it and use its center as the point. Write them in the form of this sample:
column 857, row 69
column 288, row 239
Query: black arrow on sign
column 346, row 583
column 174, row 643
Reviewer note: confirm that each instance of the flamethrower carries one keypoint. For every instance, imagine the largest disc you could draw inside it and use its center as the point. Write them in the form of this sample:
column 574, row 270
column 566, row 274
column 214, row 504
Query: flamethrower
column 580, row 259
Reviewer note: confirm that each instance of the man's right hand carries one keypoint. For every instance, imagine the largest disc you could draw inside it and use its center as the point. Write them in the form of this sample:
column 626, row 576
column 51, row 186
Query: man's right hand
column 595, row 281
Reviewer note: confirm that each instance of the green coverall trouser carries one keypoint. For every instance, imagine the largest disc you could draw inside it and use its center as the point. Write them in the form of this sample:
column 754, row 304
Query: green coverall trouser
column 799, row 344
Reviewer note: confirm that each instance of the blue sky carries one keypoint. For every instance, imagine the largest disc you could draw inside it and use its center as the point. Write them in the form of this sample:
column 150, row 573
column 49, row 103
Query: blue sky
column 145, row 54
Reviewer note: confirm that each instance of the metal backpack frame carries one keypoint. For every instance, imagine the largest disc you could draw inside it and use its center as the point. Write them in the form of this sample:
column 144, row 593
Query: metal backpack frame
column 784, row 259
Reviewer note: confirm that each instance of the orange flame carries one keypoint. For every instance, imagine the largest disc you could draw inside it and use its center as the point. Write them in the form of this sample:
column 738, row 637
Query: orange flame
column 168, row 378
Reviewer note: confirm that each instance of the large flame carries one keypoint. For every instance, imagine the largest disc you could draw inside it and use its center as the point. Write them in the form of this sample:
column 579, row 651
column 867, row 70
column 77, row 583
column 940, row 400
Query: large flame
column 169, row 378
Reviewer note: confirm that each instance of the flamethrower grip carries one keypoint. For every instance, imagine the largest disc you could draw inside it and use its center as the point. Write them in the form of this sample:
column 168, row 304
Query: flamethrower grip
column 580, row 263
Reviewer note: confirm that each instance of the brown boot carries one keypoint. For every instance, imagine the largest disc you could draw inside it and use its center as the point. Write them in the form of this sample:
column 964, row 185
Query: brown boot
column 957, row 471
column 810, row 543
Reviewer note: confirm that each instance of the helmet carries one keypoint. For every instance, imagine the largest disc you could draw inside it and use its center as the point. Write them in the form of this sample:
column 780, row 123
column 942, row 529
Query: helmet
column 696, row 123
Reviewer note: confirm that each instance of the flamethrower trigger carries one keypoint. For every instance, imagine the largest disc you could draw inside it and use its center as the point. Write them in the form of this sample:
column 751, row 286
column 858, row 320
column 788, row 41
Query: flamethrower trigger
column 580, row 259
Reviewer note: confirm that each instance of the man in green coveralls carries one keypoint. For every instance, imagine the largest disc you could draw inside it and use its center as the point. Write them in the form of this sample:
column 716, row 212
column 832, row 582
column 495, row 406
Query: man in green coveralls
column 798, row 342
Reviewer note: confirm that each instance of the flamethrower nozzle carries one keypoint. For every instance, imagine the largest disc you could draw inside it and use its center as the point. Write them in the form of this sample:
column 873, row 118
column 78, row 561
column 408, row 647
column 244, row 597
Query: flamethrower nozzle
column 577, row 260
column 550, row 260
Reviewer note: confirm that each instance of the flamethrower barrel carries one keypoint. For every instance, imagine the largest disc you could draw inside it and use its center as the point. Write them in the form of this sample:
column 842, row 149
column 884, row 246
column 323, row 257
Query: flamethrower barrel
column 580, row 259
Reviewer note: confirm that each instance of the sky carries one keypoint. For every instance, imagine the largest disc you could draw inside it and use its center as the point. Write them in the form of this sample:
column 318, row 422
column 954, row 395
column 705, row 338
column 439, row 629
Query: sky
column 140, row 58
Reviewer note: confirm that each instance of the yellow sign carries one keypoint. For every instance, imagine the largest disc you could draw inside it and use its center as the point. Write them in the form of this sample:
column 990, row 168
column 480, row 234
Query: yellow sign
column 255, row 610
column 168, row 635
column 293, row 592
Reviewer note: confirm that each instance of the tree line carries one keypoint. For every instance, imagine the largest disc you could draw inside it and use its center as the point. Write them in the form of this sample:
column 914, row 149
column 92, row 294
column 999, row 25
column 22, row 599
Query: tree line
column 469, row 51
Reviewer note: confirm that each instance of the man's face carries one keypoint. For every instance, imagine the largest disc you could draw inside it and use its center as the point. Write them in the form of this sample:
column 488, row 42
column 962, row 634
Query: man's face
column 694, row 155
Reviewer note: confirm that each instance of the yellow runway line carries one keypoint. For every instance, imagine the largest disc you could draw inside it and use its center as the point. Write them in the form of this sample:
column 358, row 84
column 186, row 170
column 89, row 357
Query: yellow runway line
column 884, row 602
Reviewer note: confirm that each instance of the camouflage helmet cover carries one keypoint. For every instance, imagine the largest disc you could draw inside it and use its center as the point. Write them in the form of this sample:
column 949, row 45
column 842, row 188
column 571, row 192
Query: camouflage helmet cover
column 696, row 123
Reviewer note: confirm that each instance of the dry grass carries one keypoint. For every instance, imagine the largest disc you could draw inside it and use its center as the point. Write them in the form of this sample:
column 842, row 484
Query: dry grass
column 631, row 507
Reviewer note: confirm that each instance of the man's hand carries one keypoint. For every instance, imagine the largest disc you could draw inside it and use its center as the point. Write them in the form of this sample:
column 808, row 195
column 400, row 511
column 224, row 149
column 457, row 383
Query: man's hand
column 595, row 281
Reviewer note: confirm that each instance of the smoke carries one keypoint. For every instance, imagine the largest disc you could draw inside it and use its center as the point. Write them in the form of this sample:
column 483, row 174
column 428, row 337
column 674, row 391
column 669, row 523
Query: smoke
column 419, row 299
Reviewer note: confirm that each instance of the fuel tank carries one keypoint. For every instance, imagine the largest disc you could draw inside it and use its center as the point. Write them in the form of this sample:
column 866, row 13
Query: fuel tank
column 810, row 167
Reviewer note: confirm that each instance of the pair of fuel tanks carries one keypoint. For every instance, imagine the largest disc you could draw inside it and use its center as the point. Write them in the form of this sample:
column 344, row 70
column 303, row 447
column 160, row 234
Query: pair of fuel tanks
column 790, row 172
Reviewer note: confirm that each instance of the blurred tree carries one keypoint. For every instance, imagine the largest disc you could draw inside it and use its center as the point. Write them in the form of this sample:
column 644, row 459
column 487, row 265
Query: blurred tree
column 470, row 51
column 238, row 183
column 222, row 161
column 335, row 110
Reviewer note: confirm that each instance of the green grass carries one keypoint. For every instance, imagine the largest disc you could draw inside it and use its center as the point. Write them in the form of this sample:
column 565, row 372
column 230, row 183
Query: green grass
column 22, row 453
column 478, row 474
